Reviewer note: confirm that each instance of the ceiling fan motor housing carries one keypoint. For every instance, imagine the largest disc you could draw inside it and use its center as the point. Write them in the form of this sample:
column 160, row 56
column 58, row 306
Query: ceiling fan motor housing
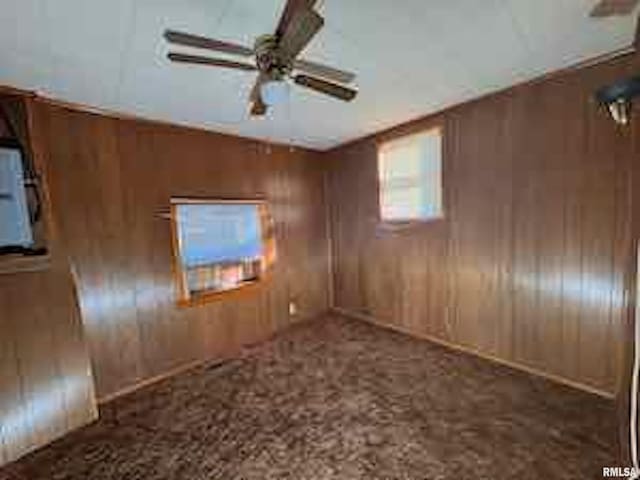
column 268, row 59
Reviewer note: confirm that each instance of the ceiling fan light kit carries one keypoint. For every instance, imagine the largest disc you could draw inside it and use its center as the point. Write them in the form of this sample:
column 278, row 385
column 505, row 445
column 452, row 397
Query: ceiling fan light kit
column 275, row 59
column 618, row 98
column 274, row 92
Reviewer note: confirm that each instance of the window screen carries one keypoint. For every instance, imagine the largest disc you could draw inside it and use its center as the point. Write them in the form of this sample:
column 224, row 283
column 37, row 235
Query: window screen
column 410, row 177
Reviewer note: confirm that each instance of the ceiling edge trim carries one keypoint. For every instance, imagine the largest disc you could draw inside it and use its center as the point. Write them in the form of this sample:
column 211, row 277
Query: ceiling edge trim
column 582, row 65
column 118, row 115
column 105, row 112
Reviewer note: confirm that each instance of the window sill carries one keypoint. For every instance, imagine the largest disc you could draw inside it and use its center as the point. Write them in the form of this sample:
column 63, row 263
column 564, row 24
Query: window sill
column 398, row 226
column 22, row 264
column 235, row 292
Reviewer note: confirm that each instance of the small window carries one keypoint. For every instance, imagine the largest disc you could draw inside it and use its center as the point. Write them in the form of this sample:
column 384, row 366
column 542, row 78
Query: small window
column 410, row 177
column 15, row 230
column 23, row 229
column 220, row 246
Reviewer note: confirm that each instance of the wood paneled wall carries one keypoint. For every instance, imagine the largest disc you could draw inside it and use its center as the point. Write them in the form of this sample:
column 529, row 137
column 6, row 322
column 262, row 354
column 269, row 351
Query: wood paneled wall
column 46, row 386
column 111, row 180
column 623, row 397
column 531, row 264
column 45, row 377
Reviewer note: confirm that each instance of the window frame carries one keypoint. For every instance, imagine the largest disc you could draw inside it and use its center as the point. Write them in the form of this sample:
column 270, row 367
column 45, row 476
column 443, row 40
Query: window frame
column 184, row 297
column 400, row 223
column 15, row 135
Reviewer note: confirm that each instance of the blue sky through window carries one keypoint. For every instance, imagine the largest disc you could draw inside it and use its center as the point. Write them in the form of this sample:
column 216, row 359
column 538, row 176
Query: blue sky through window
column 218, row 232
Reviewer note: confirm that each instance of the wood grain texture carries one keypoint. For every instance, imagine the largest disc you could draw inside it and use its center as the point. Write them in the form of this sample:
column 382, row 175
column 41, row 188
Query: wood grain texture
column 113, row 178
column 531, row 263
column 628, row 334
column 46, row 386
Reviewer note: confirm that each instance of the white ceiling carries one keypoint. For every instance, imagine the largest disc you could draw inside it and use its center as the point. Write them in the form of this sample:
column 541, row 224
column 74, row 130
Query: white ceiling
column 412, row 57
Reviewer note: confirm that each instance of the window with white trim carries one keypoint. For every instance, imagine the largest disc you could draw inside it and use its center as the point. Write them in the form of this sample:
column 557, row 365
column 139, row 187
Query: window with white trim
column 410, row 177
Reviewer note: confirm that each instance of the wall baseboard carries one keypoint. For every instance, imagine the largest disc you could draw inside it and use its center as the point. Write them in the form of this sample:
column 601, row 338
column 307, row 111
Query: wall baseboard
column 157, row 378
column 180, row 369
column 471, row 351
column 369, row 319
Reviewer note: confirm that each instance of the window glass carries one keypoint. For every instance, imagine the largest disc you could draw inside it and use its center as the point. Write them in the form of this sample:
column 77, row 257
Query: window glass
column 15, row 222
column 220, row 245
column 410, row 177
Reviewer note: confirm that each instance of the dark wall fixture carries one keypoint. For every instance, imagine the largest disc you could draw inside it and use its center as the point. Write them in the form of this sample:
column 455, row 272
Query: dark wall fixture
column 618, row 98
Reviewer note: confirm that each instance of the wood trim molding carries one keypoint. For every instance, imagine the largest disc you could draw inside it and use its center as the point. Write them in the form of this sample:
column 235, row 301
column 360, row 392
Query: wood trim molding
column 119, row 115
column 22, row 264
column 458, row 348
column 267, row 237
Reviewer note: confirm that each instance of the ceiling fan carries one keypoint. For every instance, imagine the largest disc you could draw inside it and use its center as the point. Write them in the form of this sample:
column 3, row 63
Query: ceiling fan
column 275, row 58
column 610, row 8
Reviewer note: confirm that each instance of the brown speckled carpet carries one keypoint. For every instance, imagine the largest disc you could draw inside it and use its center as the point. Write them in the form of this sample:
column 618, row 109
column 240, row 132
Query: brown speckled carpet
column 340, row 399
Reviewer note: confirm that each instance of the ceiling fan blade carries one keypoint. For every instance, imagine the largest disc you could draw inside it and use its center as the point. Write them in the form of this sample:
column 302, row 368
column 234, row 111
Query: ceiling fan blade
column 188, row 40
column 214, row 62
column 324, row 71
column 609, row 8
column 258, row 107
column 300, row 30
column 290, row 8
column 328, row 88
column 255, row 91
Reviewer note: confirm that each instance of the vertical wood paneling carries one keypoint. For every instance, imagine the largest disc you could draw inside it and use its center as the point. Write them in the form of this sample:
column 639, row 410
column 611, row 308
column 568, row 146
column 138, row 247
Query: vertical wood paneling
column 530, row 265
column 113, row 178
column 46, row 386
column 625, row 301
